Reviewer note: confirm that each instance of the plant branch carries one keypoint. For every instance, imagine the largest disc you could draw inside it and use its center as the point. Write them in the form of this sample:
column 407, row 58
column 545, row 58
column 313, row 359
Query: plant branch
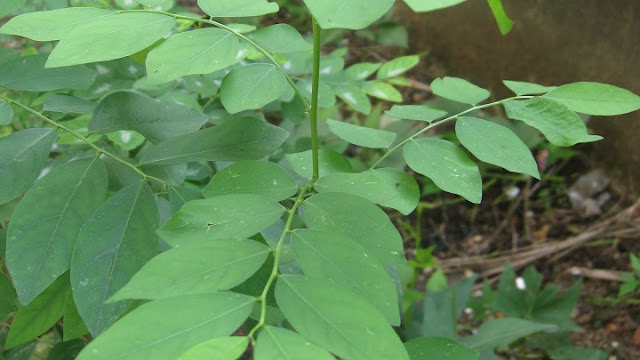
column 313, row 113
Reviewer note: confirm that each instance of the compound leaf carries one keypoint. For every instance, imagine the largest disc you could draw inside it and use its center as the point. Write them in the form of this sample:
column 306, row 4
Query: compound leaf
column 354, row 15
column 45, row 224
column 251, row 87
column 237, row 8
column 595, row 98
column 459, row 90
column 360, row 135
column 28, row 73
column 276, row 343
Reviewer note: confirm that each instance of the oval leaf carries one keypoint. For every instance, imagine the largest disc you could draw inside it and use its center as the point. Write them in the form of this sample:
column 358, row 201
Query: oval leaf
column 162, row 329
column 200, row 51
column 236, row 216
column 354, row 97
column 346, row 263
column 337, row 319
column 28, row 73
column 416, row 112
column 354, row 15
column 251, row 87
column 111, row 247
column 237, row 8
column 222, row 348
column 447, row 165
column 357, row 218
column 496, row 144
column 328, row 162
column 397, row 66
column 360, row 135
column 238, row 139
column 382, row 90
column 195, row 268
column 22, row 156
column 252, row 177
column 595, row 98
column 459, row 90
column 109, row 37
column 45, row 224
column 275, row 343
column 526, row 88
column 282, row 39
column 430, row 5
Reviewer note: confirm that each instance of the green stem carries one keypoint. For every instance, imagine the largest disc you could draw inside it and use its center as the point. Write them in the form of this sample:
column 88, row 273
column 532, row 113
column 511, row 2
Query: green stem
column 276, row 262
column 83, row 139
column 437, row 123
column 261, row 49
column 313, row 112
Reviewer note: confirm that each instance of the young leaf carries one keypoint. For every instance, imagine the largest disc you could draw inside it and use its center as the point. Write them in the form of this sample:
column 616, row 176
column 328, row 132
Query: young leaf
column 109, row 37
column 354, row 15
column 251, row 87
column 354, row 97
column 282, row 39
column 28, row 73
column 156, row 119
column 496, row 144
column 276, row 343
column 200, row 51
column 387, row 187
column 416, row 112
column 195, row 268
column 446, row 165
column 561, row 126
column 433, row 347
column 397, row 66
column 357, row 218
column 361, row 136
column 6, row 113
column 225, row 217
column 22, row 156
column 111, row 247
column 361, row 71
column 346, row 263
column 162, row 329
column 430, row 5
column 527, row 88
column 595, row 98
column 337, row 319
column 382, row 90
column 51, row 25
column 502, row 332
column 504, row 23
column 238, row 139
column 252, row 177
column 45, row 224
column 220, row 348
column 237, row 8
column 328, row 162
column 40, row 315
column 459, row 90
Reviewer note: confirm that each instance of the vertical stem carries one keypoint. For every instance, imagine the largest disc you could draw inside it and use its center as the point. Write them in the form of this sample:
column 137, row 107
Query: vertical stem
column 313, row 112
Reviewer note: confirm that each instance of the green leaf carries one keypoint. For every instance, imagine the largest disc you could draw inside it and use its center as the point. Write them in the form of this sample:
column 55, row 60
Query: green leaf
column 237, row 8
column 28, row 73
column 527, row 88
column 502, row 332
column 156, row 119
column 595, row 98
column 337, row 319
column 430, row 5
column 73, row 327
column 128, row 140
column 275, row 343
column 6, row 113
column 221, row 348
column 68, row 104
column 416, row 112
column 346, row 263
column 504, row 23
column 387, row 187
column 354, row 15
column 252, row 177
column 109, row 37
column 8, row 7
column 328, row 162
column 195, row 268
column 459, row 90
column 446, row 165
column 226, row 217
column 200, row 51
column 361, row 71
column 51, row 25
column 282, row 39
column 397, row 66
column 152, row 3
column 357, row 218
column 162, row 329
column 361, row 136
column 45, row 224
column 8, row 297
column 245, row 138
column 354, row 97
column 496, row 144
column 561, row 126
column 40, row 315
column 251, row 87
column 112, row 246
column 570, row 352
column 22, row 156
column 382, row 90
column 439, row 348
column 442, row 308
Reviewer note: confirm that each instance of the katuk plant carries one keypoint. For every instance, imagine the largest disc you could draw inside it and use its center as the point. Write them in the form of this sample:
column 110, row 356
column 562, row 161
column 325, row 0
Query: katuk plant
column 173, row 211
